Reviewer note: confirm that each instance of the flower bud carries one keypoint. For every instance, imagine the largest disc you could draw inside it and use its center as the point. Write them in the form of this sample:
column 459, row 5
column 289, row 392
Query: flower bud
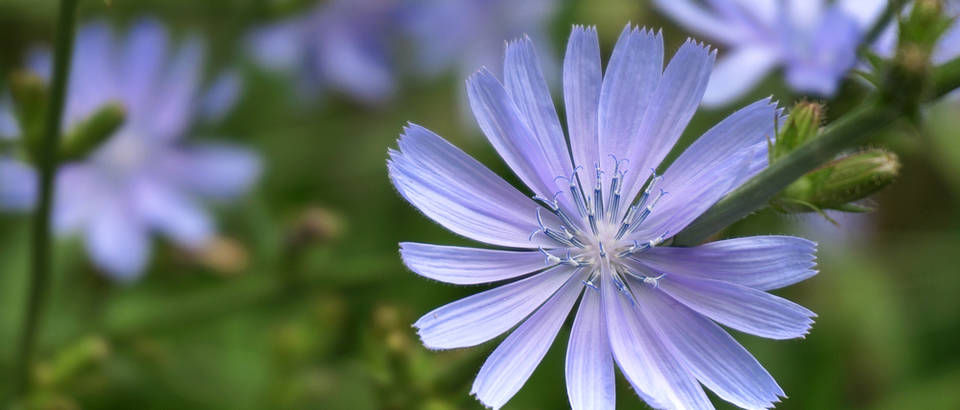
column 30, row 99
column 802, row 125
column 907, row 79
column 87, row 135
column 71, row 361
column 840, row 182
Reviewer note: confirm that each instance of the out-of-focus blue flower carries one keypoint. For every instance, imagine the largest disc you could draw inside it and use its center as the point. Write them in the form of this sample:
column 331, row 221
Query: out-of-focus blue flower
column 343, row 45
column 144, row 178
column 813, row 41
column 593, row 229
column 466, row 34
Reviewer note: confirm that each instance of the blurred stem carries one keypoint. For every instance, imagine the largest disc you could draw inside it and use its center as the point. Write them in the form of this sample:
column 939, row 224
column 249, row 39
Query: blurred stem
column 847, row 132
column 946, row 78
column 47, row 162
column 889, row 13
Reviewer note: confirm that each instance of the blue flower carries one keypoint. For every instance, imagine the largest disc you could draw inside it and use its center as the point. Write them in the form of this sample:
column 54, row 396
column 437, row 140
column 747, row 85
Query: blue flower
column 465, row 34
column 595, row 230
column 144, row 178
column 813, row 41
column 343, row 45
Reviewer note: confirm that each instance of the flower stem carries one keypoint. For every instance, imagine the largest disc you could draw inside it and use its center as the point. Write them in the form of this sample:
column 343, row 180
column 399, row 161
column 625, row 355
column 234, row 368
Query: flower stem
column 845, row 133
column 890, row 13
column 47, row 162
column 946, row 78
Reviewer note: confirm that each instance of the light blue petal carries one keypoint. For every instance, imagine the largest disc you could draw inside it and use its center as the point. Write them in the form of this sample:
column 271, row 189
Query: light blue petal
column 737, row 72
column 628, row 88
column 589, row 365
column 824, row 54
column 582, row 80
column 512, row 363
column 740, row 307
column 723, row 158
column 352, row 64
column 865, row 12
column 9, row 126
column 18, row 185
column 468, row 266
column 484, row 316
column 118, row 241
column 674, row 102
column 653, row 370
column 760, row 262
column 502, row 123
column 142, row 60
column 94, row 72
column 221, row 96
column 461, row 194
column 698, row 19
column 213, row 170
column 708, row 351
column 278, row 46
column 175, row 101
column 524, row 82
column 172, row 213
column 81, row 193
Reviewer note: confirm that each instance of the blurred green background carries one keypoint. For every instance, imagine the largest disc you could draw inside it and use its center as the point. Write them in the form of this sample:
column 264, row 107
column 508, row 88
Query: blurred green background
column 304, row 302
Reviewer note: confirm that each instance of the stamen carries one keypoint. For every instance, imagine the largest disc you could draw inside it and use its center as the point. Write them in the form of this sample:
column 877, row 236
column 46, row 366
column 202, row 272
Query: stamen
column 622, row 286
column 628, row 218
column 598, row 194
column 654, row 281
column 642, row 216
column 572, row 238
column 590, row 282
column 552, row 234
column 570, row 260
column 549, row 258
column 577, row 193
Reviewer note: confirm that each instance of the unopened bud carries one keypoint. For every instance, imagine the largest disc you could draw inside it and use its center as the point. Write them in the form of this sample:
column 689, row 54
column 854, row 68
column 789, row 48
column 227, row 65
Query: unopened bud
column 315, row 225
column 840, row 182
column 907, row 79
column 30, row 98
column 223, row 255
column 802, row 125
column 87, row 135
column 71, row 361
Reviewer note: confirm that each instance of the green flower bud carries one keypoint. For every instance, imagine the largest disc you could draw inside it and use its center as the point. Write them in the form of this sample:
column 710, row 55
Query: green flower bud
column 907, row 79
column 89, row 134
column 802, row 125
column 840, row 182
column 72, row 361
column 30, row 97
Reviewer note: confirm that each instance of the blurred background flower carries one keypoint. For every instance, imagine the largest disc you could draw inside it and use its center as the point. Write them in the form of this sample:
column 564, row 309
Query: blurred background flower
column 342, row 45
column 145, row 178
column 814, row 41
column 300, row 300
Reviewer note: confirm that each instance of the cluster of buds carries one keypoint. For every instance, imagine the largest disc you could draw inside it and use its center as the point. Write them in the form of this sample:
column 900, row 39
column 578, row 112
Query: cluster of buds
column 837, row 184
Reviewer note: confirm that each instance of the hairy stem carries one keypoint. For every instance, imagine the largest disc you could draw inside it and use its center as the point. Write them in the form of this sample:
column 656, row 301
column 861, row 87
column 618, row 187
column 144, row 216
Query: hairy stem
column 40, row 259
column 845, row 133
column 946, row 78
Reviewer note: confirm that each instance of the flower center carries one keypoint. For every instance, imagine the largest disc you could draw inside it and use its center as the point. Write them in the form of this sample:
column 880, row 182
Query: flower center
column 601, row 222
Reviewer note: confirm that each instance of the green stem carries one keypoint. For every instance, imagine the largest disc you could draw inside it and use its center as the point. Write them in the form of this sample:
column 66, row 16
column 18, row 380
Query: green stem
column 47, row 162
column 846, row 133
column 889, row 13
column 946, row 78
